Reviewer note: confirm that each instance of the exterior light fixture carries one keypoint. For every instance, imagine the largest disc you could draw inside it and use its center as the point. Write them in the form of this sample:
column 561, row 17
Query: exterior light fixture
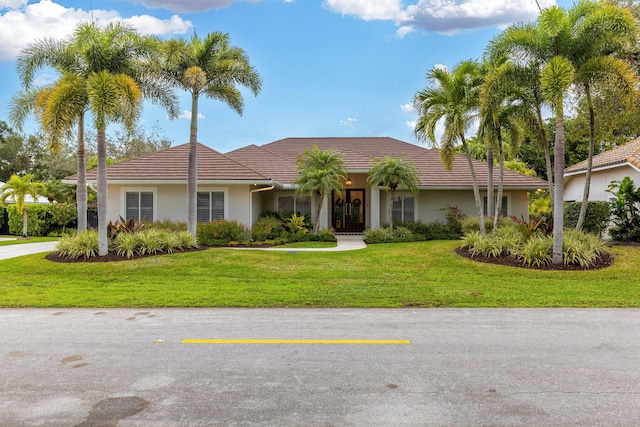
column 348, row 182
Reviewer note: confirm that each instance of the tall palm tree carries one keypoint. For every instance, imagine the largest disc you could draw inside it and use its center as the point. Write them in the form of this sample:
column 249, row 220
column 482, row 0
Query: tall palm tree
column 211, row 67
column 106, row 70
column 452, row 96
column 116, row 49
column 606, row 31
column 17, row 188
column 391, row 173
column 320, row 172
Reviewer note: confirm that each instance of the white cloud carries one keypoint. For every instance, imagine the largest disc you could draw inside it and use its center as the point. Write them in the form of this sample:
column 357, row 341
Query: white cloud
column 12, row 4
column 47, row 19
column 442, row 16
column 186, row 114
column 44, row 79
column 182, row 6
column 407, row 108
column 411, row 124
column 348, row 122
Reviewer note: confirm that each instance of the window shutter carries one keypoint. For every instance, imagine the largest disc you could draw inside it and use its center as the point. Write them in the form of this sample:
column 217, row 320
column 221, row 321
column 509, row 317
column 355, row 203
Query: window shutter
column 132, row 209
column 217, row 205
column 203, row 206
column 146, row 206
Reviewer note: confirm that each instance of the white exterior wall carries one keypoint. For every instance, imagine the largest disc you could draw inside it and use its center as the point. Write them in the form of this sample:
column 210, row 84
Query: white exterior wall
column 600, row 180
column 170, row 200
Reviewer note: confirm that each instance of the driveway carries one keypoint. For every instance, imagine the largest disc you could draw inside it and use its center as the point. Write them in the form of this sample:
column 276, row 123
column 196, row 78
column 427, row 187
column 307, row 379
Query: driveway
column 426, row 367
column 12, row 251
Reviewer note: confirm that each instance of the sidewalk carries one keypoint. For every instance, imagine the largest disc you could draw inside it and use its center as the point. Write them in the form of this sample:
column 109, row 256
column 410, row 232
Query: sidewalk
column 13, row 251
column 345, row 243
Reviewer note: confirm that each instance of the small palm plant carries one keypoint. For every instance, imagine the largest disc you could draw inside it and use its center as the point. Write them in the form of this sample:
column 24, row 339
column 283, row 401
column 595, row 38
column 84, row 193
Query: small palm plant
column 18, row 188
column 391, row 174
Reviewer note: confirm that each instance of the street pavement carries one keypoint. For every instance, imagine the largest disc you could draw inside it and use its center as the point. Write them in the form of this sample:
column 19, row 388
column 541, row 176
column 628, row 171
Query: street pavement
column 13, row 251
column 438, row 367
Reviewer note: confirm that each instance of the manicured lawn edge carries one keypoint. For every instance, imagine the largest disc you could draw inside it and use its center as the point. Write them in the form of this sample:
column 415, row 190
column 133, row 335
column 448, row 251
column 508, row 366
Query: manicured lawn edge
column 421, row 274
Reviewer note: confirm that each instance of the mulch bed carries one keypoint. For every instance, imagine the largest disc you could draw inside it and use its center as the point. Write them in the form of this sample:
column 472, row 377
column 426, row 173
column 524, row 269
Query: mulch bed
column 111, row 256
column 605, row 260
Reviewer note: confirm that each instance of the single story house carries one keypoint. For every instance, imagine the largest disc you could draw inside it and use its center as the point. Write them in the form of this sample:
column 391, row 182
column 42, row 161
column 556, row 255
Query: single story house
column 243, row 183
column 611, row 165
column 40, row 200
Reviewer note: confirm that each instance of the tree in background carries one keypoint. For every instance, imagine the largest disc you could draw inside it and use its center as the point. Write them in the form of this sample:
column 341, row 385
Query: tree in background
column 211, row 67
column 18, row 188
column 320, row 172
column 392, row 174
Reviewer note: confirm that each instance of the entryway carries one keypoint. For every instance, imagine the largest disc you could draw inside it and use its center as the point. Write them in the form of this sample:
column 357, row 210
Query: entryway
column 348, row 211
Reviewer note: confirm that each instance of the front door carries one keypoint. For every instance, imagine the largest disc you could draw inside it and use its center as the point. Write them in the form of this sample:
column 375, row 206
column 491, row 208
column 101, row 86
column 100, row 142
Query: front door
column 348, row 212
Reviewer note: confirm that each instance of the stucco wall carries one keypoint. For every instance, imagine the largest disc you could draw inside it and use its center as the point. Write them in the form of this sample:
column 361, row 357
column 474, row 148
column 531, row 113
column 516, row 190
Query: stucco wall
column 600, row 180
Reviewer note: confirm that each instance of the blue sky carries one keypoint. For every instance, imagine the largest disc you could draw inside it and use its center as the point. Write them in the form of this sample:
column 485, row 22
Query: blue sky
column 328, row 67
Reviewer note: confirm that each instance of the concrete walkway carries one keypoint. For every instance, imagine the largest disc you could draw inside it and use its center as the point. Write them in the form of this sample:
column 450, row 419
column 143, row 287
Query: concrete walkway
column 13, row 251
column 344, row 243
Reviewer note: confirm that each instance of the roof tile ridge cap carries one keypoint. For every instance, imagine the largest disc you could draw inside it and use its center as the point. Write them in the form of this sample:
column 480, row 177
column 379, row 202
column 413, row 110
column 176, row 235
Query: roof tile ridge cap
column 241, row 148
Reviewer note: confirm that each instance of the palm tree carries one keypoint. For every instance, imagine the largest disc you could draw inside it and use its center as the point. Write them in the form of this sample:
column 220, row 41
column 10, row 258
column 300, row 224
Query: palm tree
column 607, row 31
column 320, row 172
column 116, row 49
column 18, row 188
column 213, row 68
column 392, row 173
column 105, row 70
column 452, row 96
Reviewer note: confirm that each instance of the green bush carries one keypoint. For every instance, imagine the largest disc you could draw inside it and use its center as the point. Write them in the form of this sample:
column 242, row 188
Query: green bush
column 36, row 220
column 386, row 235
column 61, row 215
column 580, row 248
column 471, row 223
column 221, row 232
column 267, row 228
column 624, row 210
column 537, row 251
column 2, row 210
column 83, row 245
column 596, row 219
column 165, row 224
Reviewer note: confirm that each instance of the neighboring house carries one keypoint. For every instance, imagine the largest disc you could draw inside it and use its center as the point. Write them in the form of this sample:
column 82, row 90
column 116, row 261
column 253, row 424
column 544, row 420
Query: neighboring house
column 612, row 165
column 245, row 182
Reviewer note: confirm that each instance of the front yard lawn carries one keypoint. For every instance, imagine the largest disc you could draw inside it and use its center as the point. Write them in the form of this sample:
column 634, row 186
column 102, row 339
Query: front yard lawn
column 18, row 240
column 423, row 274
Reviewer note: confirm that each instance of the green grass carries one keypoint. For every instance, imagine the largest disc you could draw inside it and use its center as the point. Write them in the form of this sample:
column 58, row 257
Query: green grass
column 18, row 240
column 424, row 274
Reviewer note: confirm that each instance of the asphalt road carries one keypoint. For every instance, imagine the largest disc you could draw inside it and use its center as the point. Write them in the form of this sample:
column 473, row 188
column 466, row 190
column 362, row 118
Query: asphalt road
column 489, row 367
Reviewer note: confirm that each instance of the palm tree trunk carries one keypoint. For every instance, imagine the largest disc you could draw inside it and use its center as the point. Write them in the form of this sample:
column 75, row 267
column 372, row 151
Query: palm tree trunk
column 81, row 186
column 476, row 190
column 392, row 193
column 587, row 180
column 547, row 154
column 498, row 207
column 318, row 209
column 103, row 244
column 558, row 209
column 24, row 222
column 490, row 199
column 192, row 174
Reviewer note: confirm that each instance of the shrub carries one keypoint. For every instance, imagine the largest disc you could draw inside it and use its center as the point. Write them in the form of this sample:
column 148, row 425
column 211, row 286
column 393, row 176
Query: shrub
column 123, row 226
column 60, row 215
column 125, row 244
column 267, row 228
column 472, row 223
column 386, row 235
column 297, row 224
column 83, row 245
column 624, row 210
column 454, row 221
column 537, row 251
column 187, row 240
column 150, row 241
column 581, row 248
column 166, row 224
column 36, row 220
column 323, row 235
column 596, row 219
column 220, row 232
column 2, row 211
column 537, row 225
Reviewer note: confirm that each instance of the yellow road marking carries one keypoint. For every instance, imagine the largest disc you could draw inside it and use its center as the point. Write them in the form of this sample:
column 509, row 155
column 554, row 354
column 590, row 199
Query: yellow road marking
column 250, row 341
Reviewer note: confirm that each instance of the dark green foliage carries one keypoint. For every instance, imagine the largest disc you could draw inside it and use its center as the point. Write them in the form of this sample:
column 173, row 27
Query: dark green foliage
column 432, row 231
column 624, row 210
column 60, row 216
column 221, row 232
column 267, row 228
column 596, row 220
column 454, row 220
column 2, row 209
column 166, row 225
column 36, row 220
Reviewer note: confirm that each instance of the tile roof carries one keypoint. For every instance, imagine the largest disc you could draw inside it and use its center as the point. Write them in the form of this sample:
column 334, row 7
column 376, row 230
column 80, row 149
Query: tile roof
column 276, row 161
column 172, row 164
column 627, row 153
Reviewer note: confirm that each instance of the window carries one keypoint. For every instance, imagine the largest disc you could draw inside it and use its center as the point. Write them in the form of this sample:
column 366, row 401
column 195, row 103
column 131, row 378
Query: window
column 403, row 209
column 290, row 204
column 503, row 210
column 210, row 205
column 139, row 205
